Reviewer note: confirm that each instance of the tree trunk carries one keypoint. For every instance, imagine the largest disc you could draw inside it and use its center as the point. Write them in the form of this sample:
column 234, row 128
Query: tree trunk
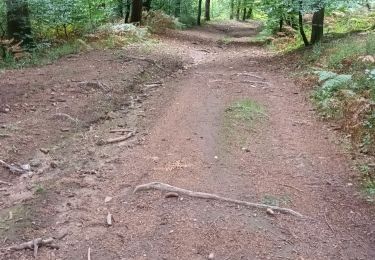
column 207, row 10
column 136, row 15
column 18, row 22
column 127, row 11
column 317, row 26
column 177, row 10
column 250, row 13
column 238, row 9
column 199, row 12
column 244, row 14
column 231, row 9
column 281, row 23
column 147, row 5
column 301, row 30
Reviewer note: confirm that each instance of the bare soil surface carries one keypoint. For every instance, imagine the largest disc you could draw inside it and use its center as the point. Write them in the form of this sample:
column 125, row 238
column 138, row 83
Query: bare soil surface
column 181, row 97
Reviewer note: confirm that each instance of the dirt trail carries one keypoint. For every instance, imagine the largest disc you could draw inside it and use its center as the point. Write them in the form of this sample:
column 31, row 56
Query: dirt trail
column 189, row 135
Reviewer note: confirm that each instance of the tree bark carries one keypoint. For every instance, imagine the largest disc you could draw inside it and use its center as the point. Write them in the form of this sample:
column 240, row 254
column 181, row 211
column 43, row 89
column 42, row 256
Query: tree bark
column 238, row 9
column 207, row 10
column 301, row 30
column 281, row 23
column 177, row 10
column 127, row 11
column 231, row 10
column 136, row 14
column 18, row 22
column 250, row 13
column 244, row 14
column 317, row 26
column 199, row 12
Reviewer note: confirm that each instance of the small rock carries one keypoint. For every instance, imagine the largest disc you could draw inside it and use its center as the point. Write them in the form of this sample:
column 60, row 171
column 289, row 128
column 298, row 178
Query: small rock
column 53, row 164
column 107, row 199
column 211, row 256
column 216, row 157
column 65, row 129
column 44, row 150
column 25, row 167
column 171, row 195
column 245, row 149
column 270, row 212
column 35, row 163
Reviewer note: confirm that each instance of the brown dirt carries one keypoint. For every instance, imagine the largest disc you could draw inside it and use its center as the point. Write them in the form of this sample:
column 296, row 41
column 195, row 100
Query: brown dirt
column 185, row 137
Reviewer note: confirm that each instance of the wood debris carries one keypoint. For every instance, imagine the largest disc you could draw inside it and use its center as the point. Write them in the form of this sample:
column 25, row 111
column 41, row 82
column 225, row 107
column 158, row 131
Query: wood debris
column 202, row 195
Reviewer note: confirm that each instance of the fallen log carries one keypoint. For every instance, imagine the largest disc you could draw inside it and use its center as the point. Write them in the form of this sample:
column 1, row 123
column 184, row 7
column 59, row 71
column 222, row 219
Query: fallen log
column 202, row 195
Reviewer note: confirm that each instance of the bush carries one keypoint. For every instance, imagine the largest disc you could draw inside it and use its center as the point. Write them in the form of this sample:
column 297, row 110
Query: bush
column 158, row 21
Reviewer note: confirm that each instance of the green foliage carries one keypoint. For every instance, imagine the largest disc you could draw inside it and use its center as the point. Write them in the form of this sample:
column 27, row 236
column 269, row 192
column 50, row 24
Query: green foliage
column 245, row 110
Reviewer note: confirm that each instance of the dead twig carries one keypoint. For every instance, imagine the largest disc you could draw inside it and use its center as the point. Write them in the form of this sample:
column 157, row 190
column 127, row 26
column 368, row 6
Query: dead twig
column 248, row 74
column 13, row 168
column 89, row 254
column 63, row 115
column 121, row 130
column 202, row 195
column 116, row 140
column 254, row 82
column 35, row 244
column 6, row 183
column 109, row 219
column 326, row 220
column 292, row 187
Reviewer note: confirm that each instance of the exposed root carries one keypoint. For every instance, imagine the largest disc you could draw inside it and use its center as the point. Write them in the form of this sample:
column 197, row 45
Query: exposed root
column 202, row 195
column 63, row 115
column 38, row 242
column 13, row 169
column 116, row 140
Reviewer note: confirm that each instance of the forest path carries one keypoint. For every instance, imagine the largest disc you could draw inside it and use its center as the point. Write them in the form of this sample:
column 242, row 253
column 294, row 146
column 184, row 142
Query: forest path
column 229, row 124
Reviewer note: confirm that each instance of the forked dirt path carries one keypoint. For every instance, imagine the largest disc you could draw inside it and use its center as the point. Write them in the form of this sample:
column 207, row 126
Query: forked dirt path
column 192, row 138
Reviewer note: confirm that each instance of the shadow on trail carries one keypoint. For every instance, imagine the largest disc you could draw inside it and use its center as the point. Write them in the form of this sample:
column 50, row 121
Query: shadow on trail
column 223, row 33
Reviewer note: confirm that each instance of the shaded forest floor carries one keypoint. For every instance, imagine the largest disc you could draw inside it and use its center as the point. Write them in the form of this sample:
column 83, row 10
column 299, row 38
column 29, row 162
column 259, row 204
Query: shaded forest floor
column 210, row 111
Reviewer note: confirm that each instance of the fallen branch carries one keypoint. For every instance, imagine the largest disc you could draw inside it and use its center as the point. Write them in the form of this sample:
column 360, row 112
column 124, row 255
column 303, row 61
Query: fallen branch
column 203, row 195
column 120, row 130
column 6, row 183
column 63, row 115
column 292, row 187
column 254, row 82
column 13, row 168
column 116, row 140
column 248, row 74
column 38, row 242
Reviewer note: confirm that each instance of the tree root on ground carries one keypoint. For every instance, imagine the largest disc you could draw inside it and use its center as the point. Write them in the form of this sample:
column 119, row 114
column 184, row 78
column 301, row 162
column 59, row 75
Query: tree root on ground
column 38, row 242
column 202, row 195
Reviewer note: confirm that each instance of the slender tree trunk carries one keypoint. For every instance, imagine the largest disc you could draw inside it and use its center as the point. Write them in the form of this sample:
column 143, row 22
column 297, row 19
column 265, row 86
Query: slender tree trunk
column 231, row 9
column 18, row 22
column 177, row 10
column 199, row 12
column 208, row 10
column 317, row 26
column 250, row 13
column 301, row 30
column 244, row 14
column 127, row 11
column 238, row 9
column 281, row 23
column 136, row 14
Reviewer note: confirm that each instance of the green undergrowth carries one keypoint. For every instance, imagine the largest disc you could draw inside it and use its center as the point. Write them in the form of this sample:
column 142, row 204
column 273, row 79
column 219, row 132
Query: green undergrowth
column 342, row 68
column 240, row 118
